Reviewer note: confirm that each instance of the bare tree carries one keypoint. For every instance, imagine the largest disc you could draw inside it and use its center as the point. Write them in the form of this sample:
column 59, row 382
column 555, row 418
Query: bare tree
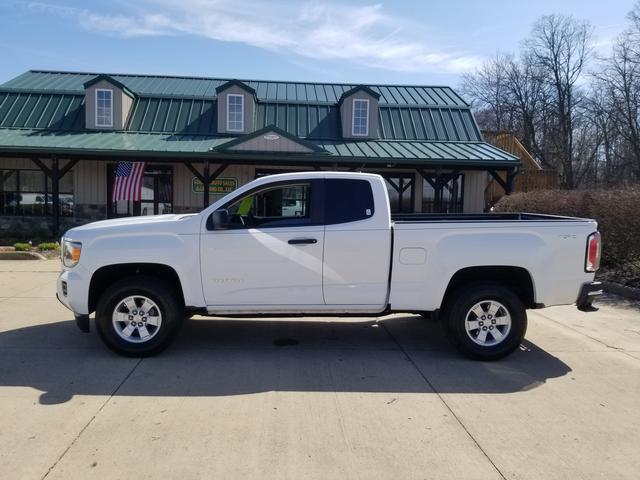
column 585, row 124
column 621, row 76
column 527, row 95
column 603, row 120
column 561, row 46
column 633, row 32
column 488, row 88
column 616, row 89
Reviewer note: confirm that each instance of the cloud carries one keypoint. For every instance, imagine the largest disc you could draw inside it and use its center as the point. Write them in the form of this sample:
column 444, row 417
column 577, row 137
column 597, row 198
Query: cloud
column 366, row 35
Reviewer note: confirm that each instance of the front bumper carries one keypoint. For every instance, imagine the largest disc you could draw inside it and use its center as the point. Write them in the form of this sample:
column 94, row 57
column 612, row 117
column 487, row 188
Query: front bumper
column 73, row 292
column 69, row 288
column 82, row 321
column 588, row 292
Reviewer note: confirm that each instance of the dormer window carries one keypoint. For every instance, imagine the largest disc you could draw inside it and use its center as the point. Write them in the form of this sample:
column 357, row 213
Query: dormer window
column 359, row 112
column 235, row 113
column 360, row 123
column 236, row 107
column 104, row 107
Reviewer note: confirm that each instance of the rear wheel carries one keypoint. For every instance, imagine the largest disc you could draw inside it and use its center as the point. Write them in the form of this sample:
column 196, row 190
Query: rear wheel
column 138, row 316
column 485, row 321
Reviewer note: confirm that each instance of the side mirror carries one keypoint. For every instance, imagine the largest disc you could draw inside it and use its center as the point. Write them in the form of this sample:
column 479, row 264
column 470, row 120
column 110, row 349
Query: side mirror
column 218, row 220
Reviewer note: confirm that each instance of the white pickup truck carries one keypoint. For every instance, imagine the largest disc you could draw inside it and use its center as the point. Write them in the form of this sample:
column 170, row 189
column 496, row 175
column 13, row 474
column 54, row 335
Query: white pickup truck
column 325, row 244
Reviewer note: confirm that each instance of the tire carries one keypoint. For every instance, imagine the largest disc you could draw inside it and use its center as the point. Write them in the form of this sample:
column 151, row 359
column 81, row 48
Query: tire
column 485, row 321
column 130, row 330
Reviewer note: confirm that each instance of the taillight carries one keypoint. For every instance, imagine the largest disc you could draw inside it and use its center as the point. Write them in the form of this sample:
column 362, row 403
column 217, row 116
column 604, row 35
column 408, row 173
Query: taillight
column 594, row 247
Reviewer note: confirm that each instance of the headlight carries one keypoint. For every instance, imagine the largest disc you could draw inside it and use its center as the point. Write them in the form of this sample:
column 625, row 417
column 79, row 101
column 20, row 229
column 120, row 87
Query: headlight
column 71, row 253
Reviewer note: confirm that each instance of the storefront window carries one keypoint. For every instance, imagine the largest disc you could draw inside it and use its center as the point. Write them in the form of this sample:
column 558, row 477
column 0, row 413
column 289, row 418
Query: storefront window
column 156, row 195
column 29, row 193
column 9, row 196
column 400, row 190
column 448, row 198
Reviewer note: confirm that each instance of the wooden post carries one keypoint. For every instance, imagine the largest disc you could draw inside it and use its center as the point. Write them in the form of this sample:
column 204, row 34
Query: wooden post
column 500, row 181
column 55, row 173
column 206, row 178
column 55, row 184
column 207, row 182
column 511, row 176
column 437, row 194
column 454, row 191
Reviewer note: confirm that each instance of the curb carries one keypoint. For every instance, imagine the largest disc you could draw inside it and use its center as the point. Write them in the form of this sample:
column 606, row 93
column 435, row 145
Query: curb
column 21, row 256
column 622, row 290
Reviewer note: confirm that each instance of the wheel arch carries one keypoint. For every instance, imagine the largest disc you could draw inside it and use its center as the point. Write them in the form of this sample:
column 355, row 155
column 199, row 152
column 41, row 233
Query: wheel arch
column 519, row 279
column 107, row 275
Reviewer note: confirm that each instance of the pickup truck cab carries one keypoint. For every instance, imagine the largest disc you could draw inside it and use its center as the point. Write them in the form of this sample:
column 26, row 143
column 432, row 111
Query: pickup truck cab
column 325, row 244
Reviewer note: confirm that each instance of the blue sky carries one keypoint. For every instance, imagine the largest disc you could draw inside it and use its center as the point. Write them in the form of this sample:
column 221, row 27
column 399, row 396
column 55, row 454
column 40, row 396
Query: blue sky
column 412, row 42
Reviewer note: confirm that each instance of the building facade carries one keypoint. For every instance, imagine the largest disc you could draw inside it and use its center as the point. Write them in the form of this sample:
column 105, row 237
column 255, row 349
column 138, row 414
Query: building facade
column 62, row 135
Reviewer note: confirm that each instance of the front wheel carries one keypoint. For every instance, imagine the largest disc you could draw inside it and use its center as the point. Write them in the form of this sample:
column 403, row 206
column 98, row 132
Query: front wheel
column 138, row 316
column 485, row 321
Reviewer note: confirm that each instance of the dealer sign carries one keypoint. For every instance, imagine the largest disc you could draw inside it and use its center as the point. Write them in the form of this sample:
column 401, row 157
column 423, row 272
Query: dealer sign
column 219, row 186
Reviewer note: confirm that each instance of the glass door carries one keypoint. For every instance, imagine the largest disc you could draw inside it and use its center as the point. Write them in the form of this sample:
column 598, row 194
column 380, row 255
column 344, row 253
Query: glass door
column 156, row 195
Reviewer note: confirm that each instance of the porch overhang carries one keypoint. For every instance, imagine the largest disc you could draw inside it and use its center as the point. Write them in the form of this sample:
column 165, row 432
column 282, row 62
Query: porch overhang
column 199, row 148
column 74, row 146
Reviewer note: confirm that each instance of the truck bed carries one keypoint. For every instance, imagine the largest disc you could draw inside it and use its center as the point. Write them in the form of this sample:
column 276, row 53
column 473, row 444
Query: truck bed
column 479, row 217
column 429, row 247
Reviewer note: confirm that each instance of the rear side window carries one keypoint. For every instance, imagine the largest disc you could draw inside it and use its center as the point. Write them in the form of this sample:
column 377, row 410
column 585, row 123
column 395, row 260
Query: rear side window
column 347, row 200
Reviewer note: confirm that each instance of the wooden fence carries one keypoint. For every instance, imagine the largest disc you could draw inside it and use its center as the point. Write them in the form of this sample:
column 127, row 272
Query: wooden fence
column 527, row 180
column 531, row 177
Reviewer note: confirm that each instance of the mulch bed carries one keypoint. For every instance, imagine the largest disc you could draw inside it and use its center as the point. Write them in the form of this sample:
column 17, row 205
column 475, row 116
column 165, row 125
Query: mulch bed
column 628, row 275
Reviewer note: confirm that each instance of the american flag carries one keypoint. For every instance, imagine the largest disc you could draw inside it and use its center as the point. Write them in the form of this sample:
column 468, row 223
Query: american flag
column 127, row 184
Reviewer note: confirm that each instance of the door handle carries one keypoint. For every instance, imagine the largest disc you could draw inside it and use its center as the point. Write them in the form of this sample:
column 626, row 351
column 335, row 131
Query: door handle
column 302, row 241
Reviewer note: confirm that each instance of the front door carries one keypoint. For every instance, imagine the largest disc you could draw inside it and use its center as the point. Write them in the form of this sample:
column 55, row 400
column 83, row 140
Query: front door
column 271, row 255
column 156, row 195
column 157, row 192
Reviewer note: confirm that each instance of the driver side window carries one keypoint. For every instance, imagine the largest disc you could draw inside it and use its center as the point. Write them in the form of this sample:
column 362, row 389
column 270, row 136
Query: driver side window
column 279, row 205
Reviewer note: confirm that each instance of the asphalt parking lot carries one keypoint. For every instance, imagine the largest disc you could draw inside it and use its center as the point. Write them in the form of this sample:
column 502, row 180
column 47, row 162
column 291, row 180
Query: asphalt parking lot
column 314, row 398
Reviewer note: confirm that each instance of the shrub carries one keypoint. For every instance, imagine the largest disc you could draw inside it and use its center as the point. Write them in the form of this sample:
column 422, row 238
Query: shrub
column 616, row 212
column 22, row 247
column 49, row 246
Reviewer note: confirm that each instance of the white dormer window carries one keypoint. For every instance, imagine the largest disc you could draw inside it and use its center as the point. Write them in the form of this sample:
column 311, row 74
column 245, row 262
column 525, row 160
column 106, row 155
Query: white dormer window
column 360, row 124
column 235, row 113
column 104, row 107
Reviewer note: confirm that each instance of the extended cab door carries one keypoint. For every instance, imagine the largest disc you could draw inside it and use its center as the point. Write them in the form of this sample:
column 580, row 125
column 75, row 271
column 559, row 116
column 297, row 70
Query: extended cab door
column 270, row 257
column 357, row 250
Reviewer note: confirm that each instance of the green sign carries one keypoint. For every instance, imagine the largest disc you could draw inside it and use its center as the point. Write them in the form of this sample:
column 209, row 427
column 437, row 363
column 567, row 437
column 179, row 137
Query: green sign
column 219, row 186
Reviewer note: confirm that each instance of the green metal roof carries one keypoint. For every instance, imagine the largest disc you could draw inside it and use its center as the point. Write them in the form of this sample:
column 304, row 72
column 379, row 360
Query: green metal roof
column 271, row 91
column 173, row 115
column 359, row 88
column 32, row 142
column 101, row 77
column 321, row 122
column 418, row 152
column 44, row 112
column 95, row 142
column 237, row 83
column 50, row 111
column 199, row 116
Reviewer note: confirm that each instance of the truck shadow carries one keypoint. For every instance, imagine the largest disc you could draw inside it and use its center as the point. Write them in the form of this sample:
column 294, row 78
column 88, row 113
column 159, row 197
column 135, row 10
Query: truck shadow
column 215, row 357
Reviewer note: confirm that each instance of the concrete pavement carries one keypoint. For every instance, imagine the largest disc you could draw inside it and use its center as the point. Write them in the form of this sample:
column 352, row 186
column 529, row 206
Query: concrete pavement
column 352, row 398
